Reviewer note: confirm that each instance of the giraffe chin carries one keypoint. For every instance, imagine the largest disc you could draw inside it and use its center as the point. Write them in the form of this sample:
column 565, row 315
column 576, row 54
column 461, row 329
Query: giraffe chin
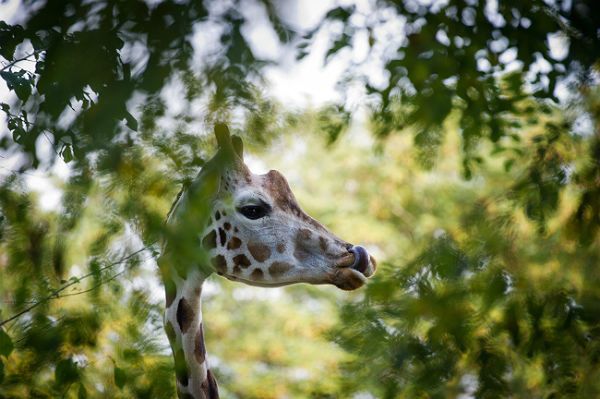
column 348, row 279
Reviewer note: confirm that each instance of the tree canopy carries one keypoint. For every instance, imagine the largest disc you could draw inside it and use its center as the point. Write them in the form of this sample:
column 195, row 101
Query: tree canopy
column 471, row 169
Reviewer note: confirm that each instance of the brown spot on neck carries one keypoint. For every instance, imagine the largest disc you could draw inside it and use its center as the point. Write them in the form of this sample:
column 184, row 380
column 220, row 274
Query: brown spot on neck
column 209, row 386
column 259, row 251
column 199, row 347
column 185, row 315
column 281, row 247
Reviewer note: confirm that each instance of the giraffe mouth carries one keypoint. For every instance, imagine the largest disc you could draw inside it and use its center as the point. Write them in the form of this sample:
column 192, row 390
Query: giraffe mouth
column 354, row 268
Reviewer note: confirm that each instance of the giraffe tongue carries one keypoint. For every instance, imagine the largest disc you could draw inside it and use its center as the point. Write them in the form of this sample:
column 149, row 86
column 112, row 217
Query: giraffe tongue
column 361, row 259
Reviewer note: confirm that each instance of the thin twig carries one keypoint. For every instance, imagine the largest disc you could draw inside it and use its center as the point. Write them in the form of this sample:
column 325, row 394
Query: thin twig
column 95, row 286
column 54, row 294
column 19, row 60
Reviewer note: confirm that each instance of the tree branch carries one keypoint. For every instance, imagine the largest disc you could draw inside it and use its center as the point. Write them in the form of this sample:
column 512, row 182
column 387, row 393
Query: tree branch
column 10, row 64
column 54, row 294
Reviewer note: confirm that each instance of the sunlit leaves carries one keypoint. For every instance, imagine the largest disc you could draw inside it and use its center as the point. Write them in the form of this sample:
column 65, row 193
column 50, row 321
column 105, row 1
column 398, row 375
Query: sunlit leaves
column 333, row 121
column 120, row 377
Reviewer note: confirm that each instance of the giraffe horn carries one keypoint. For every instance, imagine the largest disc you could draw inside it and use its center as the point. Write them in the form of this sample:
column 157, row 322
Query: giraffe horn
column 238, row 146
column 222, row 134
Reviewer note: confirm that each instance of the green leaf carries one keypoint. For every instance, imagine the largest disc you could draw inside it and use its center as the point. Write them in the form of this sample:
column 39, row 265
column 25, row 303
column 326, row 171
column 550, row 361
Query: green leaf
column 82, row 392
column 131, row 121
column 19, row 84
column 67, row 153
column 340, row 43
column 120, row 377
column 1, row 371
column 6, row 345
column 66, row 372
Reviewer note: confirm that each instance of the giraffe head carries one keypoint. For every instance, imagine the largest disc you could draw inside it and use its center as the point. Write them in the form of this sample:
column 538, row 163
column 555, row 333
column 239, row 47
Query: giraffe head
column 258, row 234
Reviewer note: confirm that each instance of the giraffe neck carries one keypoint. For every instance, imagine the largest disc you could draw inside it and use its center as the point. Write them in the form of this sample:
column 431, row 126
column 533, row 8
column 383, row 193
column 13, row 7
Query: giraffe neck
column 183, row 323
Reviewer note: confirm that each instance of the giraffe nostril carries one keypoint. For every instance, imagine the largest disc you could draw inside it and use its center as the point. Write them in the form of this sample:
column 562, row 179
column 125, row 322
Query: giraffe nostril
column 361, row 258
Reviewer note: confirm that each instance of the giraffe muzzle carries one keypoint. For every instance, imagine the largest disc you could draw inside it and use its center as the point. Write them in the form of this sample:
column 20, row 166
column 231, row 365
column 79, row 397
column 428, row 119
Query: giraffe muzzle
column 361, row 258
column 363, row 262
column 354, row 269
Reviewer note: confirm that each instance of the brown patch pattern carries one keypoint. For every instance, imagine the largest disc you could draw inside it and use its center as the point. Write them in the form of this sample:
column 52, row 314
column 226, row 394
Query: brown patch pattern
column 199, row 348
column 241, row 260
column 222, row 237
column 217, row 215
column 209, row 386
column 226, row 225
column 185, row 315
column 259, row 251
column 257, row 274
column 304, row 234
column 220, row 264
column 301, row 251
column 234, row 243
column 281, row 247
column 278, row 268
column 210, row 240
column 323, row 243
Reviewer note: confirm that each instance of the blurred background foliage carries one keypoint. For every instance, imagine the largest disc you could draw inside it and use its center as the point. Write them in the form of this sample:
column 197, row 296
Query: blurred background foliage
column 463, row 172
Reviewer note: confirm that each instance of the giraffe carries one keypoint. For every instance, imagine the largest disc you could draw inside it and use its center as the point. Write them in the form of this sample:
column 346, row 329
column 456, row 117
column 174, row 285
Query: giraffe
column 248, row 228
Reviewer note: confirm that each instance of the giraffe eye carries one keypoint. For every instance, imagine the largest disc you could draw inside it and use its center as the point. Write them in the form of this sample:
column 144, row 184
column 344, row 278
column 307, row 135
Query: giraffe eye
column 254, row 211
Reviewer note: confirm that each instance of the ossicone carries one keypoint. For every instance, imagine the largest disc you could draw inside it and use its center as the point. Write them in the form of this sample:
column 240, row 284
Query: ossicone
column 227, row 142
column 222, row 134
column 238, row 146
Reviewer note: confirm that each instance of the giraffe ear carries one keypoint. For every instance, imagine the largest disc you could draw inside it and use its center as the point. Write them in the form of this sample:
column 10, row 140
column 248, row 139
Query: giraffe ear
column 222, row 134
column 238, row 146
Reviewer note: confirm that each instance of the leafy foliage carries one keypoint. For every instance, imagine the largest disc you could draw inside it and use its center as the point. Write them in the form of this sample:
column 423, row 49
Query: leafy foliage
column 476, row 191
